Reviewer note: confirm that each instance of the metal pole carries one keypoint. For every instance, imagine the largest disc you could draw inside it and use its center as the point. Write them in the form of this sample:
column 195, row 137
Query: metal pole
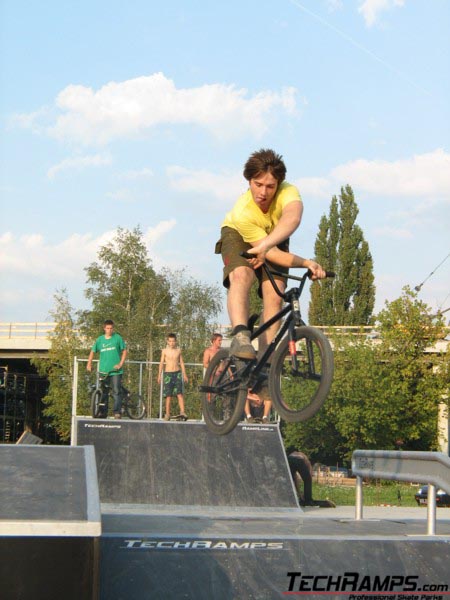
column 359, row 499
column 431, row 510
column 73, row 436
column 161, row 396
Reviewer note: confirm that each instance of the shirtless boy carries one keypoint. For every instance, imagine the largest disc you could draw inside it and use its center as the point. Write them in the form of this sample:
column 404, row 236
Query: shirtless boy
column 174, row 374
column 216, row 343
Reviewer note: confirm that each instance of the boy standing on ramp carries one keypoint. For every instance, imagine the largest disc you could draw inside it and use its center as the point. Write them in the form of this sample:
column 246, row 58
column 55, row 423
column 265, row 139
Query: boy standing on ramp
column 113, row 352
column 172, row 365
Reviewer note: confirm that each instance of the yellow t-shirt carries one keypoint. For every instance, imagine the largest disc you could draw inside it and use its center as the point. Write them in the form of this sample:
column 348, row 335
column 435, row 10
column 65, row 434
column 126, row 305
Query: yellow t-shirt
column 250, row 221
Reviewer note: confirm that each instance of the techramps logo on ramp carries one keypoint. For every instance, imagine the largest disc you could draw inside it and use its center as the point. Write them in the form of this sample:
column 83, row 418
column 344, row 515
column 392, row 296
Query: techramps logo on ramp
column 168, row 544
column 354, row 586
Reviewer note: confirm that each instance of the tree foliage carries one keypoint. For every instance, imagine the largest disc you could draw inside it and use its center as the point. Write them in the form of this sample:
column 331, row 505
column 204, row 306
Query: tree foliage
column 349, row 298
column 58, row 366
column 386, row 391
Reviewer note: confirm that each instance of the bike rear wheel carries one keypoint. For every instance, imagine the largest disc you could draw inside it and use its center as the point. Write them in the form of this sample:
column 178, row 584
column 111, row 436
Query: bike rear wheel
column 135, row 406
column 223, row 406
column 300, row 377
column 96, row 404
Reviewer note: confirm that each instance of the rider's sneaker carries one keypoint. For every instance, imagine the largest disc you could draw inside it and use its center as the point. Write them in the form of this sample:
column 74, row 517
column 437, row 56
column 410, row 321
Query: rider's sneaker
column 117, row 416
column 249, row 419
column 265, row 421
column 166, row 417
column 241, row 345
column 183, row 417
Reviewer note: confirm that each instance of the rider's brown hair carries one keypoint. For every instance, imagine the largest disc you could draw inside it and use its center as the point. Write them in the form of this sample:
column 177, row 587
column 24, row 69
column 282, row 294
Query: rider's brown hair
column 265, row 161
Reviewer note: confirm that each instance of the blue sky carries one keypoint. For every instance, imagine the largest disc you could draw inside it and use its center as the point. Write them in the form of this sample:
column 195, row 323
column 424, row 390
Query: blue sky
column 143, row 113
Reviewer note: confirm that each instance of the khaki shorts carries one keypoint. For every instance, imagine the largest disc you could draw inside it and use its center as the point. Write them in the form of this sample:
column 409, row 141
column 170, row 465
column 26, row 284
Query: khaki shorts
column 231, row 245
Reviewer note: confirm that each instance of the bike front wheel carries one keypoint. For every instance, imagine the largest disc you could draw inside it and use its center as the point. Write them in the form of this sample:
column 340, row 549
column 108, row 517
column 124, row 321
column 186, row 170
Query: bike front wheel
column 223, row 403
column 96, row 404
column 301, row 374
column 135, row 406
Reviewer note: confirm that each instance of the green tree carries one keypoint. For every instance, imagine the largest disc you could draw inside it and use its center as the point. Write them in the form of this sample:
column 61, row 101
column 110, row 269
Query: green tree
column 416, row 377
column 349, row 298
column 58, row 366
column 385, row 392
column 115, row 281
column 194, row 307
column 145, row 306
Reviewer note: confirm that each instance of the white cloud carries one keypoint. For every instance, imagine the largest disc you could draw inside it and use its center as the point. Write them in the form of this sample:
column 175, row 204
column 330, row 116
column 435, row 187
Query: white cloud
column 34, row 256
column 225, row 186
column 37, row 258
column 133, row 107
column 371, row 9
column 78, row 163
column 154, row 234
column 424, row 175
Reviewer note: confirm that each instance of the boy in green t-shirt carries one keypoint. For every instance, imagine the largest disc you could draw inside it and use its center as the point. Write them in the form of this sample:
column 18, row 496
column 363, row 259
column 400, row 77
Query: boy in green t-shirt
column 113, row 352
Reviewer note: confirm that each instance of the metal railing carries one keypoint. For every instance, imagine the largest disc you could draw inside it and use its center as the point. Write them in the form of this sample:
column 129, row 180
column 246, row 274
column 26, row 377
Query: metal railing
column 432, row 468
column 151, row 391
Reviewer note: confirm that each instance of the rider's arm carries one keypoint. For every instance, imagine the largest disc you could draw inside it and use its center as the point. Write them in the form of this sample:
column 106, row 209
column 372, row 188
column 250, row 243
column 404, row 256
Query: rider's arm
column 206, row 358
column 287, row 259
column 289, row 221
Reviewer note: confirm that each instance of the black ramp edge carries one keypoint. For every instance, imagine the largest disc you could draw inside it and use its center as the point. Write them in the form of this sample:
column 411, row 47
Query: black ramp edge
column 171, row 463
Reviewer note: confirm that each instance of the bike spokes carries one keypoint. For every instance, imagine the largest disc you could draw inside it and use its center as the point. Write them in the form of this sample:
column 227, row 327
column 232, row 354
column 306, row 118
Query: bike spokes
column 224, row 398
column 300, row 380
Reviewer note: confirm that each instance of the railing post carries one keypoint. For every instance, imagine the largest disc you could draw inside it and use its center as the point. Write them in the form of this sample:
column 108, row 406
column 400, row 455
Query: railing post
column 359, row 499
column 431, row 510
column 73, row 437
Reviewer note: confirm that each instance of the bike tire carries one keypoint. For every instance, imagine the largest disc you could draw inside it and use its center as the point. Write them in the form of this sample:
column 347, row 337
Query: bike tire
column 299, row 393
column 222, row 410
column 96, row 400
column 135, row 406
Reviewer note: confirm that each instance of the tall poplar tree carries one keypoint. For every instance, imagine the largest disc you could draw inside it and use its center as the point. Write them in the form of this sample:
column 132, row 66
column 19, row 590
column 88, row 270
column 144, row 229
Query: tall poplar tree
column 349, row 298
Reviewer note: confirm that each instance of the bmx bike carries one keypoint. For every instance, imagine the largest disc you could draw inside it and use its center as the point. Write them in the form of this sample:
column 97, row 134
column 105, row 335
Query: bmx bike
column 132, row 404
column 298, row 376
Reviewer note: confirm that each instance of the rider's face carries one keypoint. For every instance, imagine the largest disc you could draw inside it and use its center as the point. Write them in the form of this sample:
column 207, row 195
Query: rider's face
column 217, row 342
column 263, row 188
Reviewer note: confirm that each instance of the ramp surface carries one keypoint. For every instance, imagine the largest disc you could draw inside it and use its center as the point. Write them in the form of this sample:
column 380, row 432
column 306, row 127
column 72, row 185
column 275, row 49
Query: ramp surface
column 48, row 490
column 172, row 463
column 267, row 554
column 50, row 523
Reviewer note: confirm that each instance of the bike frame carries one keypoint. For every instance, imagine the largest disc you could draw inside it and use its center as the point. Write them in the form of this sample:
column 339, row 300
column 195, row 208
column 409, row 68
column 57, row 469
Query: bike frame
column 294, row 319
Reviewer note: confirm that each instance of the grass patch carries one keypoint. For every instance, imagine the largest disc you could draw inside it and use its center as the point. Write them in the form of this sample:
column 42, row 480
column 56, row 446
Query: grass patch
column 374, row 493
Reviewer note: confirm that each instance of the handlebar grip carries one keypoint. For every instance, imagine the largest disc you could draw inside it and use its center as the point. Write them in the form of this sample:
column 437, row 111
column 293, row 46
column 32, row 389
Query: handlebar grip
column 327, row 274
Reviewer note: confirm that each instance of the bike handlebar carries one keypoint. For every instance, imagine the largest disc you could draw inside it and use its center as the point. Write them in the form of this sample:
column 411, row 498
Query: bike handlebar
column 308, row 273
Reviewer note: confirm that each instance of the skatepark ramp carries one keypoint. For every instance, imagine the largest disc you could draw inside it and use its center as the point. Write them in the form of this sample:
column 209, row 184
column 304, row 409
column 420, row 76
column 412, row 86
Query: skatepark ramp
column 50, row 523
column 185, row 514
column 173, row 463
